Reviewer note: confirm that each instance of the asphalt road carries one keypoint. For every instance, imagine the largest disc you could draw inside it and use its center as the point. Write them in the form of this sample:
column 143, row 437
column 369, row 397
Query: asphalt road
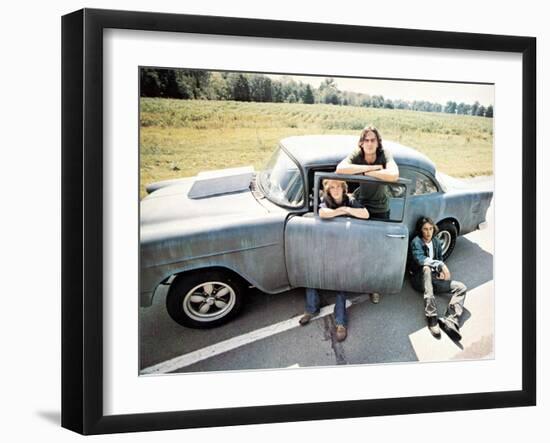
column 267, row 333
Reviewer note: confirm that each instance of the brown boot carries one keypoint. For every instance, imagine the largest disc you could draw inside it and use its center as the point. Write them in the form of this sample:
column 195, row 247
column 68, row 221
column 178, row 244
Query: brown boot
column 374, row 297
column 306, row 318
column 341, row 333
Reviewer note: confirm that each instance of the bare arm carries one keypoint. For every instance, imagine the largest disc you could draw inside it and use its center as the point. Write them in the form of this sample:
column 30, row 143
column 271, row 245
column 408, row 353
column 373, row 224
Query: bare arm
column 344, row 210
column 389, row 174
column 345, row 167
column 358, row 212
column 331, row 213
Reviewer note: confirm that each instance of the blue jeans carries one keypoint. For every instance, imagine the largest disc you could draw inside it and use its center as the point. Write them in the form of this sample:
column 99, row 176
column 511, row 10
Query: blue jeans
column 312, row 305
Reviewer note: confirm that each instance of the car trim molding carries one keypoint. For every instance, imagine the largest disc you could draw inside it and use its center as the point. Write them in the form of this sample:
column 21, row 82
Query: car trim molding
column 212, row 254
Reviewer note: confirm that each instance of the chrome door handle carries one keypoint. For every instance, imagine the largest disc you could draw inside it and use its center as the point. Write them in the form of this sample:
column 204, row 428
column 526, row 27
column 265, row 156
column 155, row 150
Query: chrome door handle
column 395, row 235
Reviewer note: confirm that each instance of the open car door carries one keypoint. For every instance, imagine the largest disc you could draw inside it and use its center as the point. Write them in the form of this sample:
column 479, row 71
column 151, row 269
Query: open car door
column 346, row 253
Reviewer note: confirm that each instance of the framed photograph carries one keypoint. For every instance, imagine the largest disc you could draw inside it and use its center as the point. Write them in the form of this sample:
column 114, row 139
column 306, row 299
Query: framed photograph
column 257, row 211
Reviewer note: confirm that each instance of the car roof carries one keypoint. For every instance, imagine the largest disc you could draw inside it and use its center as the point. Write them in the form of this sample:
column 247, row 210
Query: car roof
column 322, row 150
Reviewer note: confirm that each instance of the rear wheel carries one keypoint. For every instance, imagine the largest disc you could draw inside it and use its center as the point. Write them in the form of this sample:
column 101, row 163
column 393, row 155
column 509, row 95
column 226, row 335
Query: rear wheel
column 204, row 299
column 447, row 235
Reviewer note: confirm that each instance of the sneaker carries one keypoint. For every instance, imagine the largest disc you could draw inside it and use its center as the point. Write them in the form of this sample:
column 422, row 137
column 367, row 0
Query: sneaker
column 433, row 326
column 306, row 318
column 341, row 333
column 450, row 329
column 374, row 297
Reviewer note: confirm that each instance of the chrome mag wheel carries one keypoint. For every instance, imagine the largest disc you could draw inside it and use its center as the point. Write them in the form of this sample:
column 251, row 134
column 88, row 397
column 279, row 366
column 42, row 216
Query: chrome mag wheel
column 445, row 238
column 209, row 301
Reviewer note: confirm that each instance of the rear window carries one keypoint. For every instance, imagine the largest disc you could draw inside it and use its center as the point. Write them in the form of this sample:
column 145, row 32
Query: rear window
column 421, row 184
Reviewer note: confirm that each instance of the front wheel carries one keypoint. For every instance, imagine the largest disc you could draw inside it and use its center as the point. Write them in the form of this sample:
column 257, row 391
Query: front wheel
column 447, row 235
column 204, row 299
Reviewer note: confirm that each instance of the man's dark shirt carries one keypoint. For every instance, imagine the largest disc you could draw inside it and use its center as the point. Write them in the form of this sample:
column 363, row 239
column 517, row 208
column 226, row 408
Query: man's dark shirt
column 373, row 196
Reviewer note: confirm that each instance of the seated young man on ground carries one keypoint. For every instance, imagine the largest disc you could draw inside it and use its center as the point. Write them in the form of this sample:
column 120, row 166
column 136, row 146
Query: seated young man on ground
column 431, row 276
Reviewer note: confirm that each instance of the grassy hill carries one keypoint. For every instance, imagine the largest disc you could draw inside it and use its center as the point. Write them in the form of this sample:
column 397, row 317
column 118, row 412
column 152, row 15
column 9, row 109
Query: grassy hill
column 179, row 138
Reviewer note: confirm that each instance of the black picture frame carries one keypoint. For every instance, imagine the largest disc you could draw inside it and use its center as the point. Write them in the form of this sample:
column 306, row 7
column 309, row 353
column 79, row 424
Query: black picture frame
column 82, row 218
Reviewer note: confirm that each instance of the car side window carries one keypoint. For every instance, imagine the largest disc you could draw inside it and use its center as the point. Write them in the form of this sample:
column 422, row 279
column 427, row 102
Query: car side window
column 384, row 201
column 421, row 184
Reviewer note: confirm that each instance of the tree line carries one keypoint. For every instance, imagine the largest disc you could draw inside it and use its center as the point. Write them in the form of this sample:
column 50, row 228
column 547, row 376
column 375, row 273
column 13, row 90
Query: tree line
column 208, row 85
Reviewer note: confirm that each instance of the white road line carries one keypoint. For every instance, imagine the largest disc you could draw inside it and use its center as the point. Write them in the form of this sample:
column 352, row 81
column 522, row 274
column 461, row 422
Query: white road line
column 236, row 342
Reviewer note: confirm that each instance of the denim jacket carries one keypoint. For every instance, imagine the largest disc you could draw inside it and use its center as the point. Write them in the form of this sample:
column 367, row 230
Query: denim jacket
column 420, row 254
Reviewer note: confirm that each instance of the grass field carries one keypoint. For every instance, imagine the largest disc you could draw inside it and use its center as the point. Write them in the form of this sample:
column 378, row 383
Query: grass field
column 179, row 138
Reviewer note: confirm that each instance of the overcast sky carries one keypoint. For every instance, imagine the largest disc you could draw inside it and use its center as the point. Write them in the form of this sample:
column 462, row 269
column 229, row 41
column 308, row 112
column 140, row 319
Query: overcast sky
column 409, row 90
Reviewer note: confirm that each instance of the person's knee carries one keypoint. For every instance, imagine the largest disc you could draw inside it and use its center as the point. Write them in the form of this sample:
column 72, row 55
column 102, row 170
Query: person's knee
column 460, row 287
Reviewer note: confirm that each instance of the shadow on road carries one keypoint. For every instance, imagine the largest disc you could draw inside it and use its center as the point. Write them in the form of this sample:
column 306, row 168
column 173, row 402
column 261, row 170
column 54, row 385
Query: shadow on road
column 470, row 263
column 380, row 333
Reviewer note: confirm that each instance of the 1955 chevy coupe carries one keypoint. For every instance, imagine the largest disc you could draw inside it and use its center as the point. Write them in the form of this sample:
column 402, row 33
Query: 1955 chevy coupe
column 212, row 236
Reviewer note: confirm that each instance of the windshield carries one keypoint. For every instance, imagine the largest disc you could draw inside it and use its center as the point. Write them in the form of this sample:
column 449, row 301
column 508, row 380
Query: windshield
column 281, row 181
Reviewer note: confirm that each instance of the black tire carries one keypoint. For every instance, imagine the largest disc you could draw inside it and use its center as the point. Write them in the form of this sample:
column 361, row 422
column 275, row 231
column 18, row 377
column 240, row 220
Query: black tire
column 447, row 234
column 204, row 299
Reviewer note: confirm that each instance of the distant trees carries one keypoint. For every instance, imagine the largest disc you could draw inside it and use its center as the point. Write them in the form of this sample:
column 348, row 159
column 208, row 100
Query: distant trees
column 291, row 90
column 208, row 85
column 308, row 96
column 187, row 84
column 240, row 88
column 450, row 107
column 377, row 101
column 219, row 89
column 475, row 108
column 260, row 89
column 328, row 92
column 150, row 83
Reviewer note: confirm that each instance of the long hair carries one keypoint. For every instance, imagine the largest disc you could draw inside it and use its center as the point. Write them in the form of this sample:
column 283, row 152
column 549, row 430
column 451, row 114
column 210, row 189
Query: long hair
column 329, row 200
column 363, row 135
column 422, row 221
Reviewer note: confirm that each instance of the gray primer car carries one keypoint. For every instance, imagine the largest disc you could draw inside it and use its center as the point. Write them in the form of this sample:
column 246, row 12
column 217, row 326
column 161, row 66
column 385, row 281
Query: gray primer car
column 211, row 236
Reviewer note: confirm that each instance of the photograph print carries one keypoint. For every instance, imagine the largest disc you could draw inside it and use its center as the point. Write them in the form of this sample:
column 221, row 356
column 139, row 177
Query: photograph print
column 293, row 221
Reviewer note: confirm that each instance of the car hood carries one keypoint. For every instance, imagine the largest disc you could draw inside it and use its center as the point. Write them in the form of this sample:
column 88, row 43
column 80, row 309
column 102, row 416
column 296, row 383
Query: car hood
column 172, row 204
column 176, row 228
